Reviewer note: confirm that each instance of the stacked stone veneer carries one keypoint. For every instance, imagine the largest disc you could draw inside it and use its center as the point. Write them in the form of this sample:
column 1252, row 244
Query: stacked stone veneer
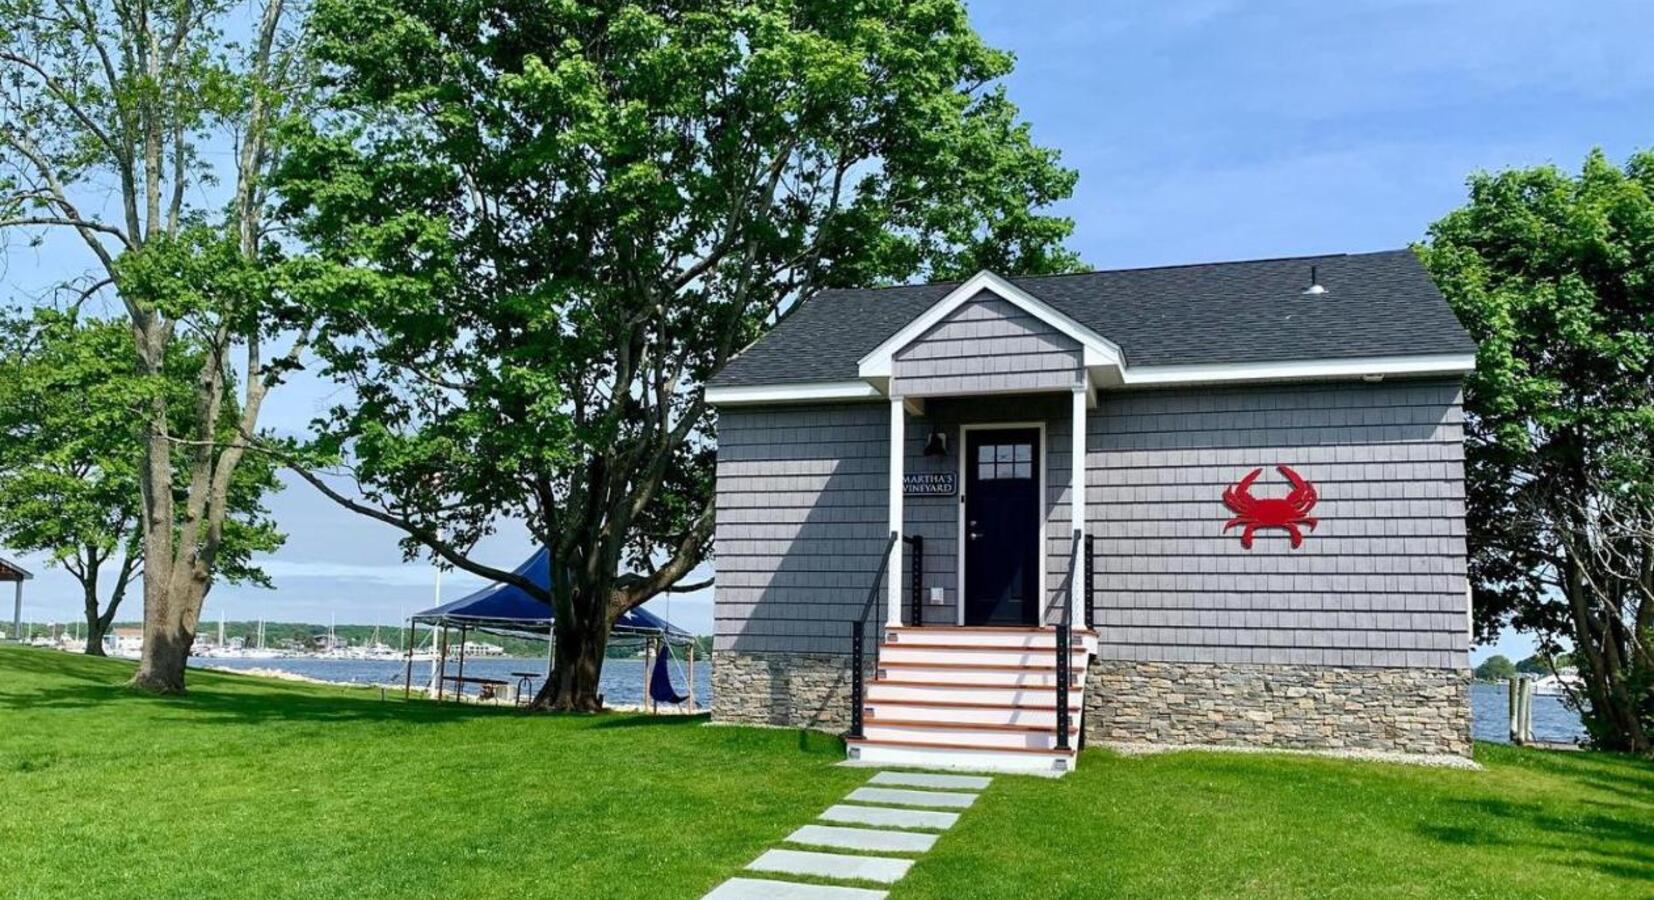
column 1416, row 711
column 806, row 690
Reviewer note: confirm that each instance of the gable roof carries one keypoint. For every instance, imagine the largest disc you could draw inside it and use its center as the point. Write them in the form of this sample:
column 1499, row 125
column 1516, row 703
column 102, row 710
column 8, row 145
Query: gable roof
column 1376, row 305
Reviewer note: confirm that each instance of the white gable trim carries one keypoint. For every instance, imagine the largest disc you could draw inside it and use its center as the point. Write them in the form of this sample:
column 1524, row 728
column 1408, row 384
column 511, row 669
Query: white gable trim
column 1097, row 350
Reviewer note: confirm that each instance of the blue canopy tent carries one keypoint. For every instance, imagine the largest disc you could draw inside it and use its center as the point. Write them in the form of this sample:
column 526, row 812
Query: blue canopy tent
column 510, row 610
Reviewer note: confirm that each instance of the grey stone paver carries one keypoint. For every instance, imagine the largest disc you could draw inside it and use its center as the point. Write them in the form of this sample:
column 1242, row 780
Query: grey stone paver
column 883, row 869
column 862, row 839
column 886, row 817
column 764, row 889
column 929, row 780
column 876, row 806
column 901, row 797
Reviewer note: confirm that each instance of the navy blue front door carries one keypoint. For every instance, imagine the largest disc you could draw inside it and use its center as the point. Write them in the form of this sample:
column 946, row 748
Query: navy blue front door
column 1002, row 516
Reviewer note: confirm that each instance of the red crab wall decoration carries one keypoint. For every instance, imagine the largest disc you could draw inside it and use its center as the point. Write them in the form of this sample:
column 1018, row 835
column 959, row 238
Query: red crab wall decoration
column 1289, row 512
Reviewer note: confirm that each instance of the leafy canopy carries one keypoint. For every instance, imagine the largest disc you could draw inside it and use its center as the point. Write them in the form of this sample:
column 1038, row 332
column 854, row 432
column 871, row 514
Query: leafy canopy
column 71, row 406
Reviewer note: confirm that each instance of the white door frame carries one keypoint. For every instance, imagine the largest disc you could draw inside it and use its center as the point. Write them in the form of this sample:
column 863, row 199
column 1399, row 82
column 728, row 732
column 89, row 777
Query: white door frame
column 1044, row 500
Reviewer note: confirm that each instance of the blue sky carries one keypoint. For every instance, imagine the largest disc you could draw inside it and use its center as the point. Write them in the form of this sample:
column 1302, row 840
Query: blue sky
column 1202, row 130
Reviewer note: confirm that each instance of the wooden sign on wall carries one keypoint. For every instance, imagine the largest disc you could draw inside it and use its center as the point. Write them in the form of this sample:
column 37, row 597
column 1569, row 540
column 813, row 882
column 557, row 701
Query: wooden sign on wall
column 930, row 484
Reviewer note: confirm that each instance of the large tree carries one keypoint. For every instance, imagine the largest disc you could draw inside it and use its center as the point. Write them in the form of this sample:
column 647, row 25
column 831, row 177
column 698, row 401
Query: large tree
column 548, row 223
column 1554, row 276
column 119, row 122
column 71, row 401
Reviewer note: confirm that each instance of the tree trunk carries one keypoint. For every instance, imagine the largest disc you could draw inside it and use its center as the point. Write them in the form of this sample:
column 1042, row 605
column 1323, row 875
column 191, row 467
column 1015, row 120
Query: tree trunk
column 161, row 670
column 577, row 668
column 94, row 636
column 169, row 632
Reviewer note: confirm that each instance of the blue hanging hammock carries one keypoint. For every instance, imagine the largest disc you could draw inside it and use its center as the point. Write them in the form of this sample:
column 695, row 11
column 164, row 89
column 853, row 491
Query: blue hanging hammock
column 660, row 681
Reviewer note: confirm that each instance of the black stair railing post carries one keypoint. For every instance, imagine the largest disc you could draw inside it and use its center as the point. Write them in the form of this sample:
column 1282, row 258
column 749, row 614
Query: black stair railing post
column 857, row 634
column 918, row 580
column 1090, row 580
column 1062, row 686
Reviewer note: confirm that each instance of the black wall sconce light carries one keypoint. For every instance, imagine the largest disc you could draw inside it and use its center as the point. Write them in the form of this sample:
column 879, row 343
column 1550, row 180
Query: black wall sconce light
column 938, row 443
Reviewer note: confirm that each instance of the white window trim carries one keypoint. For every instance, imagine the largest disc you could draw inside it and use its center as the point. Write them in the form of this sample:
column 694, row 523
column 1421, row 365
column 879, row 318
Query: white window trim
column 1097, row 350
column 960, row 540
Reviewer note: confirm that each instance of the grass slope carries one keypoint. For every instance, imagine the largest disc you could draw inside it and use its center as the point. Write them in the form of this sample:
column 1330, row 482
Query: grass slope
column 1533, row 824
column 250, row 788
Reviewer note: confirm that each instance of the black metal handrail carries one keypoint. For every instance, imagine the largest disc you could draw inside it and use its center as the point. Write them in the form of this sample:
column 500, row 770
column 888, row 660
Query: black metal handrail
column 858, row 638
column 1064, row 636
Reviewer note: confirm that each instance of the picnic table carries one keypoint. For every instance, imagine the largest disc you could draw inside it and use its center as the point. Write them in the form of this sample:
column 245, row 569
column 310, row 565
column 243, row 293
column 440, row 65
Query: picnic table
column 487, row 688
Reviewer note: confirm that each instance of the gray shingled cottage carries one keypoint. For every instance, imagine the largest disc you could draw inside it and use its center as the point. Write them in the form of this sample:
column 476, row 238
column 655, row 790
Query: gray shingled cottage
column 1270, row 549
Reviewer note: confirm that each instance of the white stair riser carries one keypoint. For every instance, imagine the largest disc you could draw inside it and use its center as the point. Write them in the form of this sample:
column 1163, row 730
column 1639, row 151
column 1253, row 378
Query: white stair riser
column 977, row 657
column 994, row 677
column 962, row 734
column 1043, row 718
column 1012, row 640
column 955, row 693
column 963, row 760
column 969, row 638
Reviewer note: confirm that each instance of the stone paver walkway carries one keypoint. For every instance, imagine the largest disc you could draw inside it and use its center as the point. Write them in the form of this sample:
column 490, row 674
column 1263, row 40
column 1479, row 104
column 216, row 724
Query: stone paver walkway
column 872, row 838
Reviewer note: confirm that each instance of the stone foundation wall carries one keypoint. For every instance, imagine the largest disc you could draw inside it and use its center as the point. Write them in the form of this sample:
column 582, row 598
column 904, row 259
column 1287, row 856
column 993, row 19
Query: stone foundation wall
column 1420, row 711
column 806, row 690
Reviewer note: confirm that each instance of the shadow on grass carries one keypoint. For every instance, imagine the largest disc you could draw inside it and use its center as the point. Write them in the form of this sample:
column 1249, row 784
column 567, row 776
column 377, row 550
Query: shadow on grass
column 642, row 720
column 1611, row 837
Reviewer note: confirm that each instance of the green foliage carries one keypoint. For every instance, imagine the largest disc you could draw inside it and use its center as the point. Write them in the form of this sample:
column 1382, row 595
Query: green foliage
column 72, row 402
column 1553, row 274
column 534, row 241
column 1495, row 668
column 1539, row 664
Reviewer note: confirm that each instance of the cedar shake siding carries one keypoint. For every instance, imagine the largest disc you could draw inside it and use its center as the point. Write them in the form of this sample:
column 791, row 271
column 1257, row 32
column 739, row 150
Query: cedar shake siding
column 801, row 515
column 986, row 346
column 1381, row 580
column 802, row 496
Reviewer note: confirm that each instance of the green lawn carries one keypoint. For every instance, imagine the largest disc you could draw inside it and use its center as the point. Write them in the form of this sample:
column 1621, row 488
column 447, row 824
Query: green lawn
column 250, row 788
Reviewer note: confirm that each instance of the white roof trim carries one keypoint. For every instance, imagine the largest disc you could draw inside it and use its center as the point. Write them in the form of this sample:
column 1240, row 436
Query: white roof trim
column 1098, row 350
column 27, row 575
column 1435, row 364
column 798, row 392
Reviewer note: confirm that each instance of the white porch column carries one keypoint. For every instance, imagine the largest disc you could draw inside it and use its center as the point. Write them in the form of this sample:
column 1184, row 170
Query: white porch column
column 1076, row 503
column 17, row 613
column 898, row 455
column 1076, row 469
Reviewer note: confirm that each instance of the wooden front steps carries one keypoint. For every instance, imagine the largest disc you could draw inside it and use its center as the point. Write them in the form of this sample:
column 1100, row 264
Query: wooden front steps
column 972, row 698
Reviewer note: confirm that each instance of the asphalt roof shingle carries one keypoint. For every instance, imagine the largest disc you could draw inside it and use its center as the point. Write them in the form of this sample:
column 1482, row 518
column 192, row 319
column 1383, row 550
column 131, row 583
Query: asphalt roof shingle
column 1376, row 304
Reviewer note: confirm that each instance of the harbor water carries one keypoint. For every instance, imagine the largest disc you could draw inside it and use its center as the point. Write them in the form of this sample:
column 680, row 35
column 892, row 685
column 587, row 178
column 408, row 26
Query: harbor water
column 622, row 683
